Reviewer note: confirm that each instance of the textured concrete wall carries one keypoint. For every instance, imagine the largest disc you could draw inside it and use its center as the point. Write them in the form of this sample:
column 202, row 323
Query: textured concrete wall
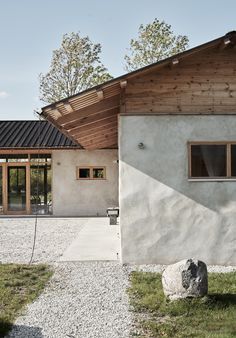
column 72, row 197
column 165, row 217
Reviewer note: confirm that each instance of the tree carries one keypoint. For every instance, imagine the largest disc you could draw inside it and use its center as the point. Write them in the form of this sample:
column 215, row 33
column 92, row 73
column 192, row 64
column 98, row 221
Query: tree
column 156, row 41
column 75, row 66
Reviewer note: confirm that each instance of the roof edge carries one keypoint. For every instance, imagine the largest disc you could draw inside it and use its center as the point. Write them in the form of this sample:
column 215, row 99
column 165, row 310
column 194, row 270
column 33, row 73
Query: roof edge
column 185, row 53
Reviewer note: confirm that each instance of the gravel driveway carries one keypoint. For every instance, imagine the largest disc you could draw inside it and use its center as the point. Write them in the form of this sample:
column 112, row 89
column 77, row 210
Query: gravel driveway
column 54, row 235
column 82, row 300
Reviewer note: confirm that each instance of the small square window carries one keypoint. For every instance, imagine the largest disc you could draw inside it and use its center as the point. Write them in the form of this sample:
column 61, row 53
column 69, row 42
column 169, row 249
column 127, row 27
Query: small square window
column 98, row 173
column 83, row 173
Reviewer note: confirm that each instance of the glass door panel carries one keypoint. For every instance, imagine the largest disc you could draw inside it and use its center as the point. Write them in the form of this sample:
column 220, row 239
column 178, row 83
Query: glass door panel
column 40, row 189
column 1, row 193
column 16, row 188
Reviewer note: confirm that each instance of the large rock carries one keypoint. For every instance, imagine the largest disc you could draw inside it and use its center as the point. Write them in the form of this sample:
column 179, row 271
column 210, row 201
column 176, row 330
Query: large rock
column 187, row 278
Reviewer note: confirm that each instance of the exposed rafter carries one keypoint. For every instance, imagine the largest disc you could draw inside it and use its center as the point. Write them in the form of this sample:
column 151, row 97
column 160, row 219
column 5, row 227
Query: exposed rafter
column 90, row 117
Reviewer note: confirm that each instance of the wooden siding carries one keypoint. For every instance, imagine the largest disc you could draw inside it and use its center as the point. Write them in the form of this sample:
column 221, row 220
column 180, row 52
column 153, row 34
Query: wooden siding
column 204, row 83
column 201, row 80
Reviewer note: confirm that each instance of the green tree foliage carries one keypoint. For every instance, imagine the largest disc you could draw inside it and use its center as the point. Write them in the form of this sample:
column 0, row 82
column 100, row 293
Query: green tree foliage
column 75, row 66
column 156, row 41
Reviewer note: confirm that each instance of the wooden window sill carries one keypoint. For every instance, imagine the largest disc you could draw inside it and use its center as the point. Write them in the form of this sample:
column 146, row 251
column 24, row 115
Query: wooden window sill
column 212, row 179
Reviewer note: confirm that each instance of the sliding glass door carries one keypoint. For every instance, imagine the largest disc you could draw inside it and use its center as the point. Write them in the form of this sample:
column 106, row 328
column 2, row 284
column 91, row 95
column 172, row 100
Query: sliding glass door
column 25, row 184
column 40, row 189
column 16, row 188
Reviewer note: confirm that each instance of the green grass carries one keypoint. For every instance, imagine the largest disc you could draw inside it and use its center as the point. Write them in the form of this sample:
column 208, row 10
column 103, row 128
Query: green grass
column 19, row 285
column 210, row 316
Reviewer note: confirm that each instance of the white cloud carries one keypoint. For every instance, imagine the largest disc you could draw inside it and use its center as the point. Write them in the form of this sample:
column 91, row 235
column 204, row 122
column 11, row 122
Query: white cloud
column 3, row 94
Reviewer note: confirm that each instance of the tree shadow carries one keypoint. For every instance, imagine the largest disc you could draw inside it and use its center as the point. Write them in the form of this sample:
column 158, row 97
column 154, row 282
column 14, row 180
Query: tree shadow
column 222, row 300
column 8, row 330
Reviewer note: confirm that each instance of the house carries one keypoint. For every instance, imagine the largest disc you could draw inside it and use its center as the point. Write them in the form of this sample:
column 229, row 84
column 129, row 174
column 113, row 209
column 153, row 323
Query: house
column 173, row 124
column 42, row 171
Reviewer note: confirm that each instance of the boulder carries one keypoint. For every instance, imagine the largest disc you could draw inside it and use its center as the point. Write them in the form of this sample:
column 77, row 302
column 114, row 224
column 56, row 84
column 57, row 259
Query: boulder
column 187, row 278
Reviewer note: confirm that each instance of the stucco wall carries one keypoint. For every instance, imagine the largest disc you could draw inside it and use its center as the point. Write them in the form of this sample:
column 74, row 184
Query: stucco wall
column 72, row 197
column 165, row 217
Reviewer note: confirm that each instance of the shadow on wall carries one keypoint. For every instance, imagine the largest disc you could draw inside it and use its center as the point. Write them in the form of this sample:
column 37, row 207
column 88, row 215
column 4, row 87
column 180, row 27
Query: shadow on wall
column 164, row 225
column 164, row 156
column 164, row 216
column 215, row 196
column 22, row 331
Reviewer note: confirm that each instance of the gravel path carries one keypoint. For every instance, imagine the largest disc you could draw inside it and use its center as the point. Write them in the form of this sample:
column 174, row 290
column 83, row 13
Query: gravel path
column 53, row 237
column 83, row 300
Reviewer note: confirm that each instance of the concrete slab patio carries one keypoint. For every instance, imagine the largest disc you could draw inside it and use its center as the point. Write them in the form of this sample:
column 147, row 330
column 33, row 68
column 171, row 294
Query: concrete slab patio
column 97, row 241
column 59, row 239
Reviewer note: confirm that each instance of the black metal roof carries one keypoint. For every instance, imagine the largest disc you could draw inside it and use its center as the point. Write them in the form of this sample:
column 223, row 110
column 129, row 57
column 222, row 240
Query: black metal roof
column 32, row 134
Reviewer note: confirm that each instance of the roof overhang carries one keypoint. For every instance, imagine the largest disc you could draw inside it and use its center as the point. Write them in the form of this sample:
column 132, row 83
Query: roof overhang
column 90, row 118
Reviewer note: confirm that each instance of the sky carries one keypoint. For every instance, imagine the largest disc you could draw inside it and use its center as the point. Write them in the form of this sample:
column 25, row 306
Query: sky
column 31, row 29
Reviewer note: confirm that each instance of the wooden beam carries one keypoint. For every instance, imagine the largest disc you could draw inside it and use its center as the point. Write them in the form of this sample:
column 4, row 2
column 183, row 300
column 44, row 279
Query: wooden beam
column 68, row 107
column 112, row 143
column 96, row 124
column 28, row 206
column 93, row 119
column 95, row 130
column 100, row 95
column 104, row 105
column 98, row 138
column 122, row 101
column 103, row 131
column 26, row 151
column 54, row 122
column 104, row 145
column 4, row 188
column 174, row 62
column 123, row 84
column 54, row 114
column 225, row 43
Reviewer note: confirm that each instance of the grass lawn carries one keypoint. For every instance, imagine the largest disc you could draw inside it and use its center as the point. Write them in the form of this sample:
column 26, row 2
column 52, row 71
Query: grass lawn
column 19, row 285
column 210, row 316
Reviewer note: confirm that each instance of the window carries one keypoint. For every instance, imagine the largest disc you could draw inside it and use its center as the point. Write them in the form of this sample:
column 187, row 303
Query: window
column 98, row 173
column 14, row 158
column 40, row 158
column 90, row 173
column 212, row 160
column 84, row 173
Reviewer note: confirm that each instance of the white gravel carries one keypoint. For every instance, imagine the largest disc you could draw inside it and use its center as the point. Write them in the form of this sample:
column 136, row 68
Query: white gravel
column 83, row 300
column 54, row 235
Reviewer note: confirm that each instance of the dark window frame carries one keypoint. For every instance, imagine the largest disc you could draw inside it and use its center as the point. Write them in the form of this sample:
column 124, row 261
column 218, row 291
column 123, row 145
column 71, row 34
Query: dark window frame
column 228, row 145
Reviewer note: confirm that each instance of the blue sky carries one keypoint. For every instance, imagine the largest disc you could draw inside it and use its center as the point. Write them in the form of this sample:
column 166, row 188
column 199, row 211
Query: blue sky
column 31, row 29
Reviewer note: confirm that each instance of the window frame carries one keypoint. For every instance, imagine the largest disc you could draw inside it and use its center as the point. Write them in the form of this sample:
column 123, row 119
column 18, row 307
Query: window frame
column 228, row 176
column 90, row 178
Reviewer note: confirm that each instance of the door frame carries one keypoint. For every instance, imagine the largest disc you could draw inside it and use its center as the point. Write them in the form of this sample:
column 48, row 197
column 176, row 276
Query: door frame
column 5, row 166
column 28, row 163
